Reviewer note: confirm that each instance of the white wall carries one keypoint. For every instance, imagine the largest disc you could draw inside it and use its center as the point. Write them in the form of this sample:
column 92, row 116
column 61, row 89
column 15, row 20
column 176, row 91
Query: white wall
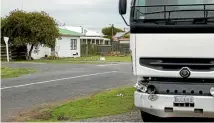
column 124, row 42
column 39, row 52
column 63, row 47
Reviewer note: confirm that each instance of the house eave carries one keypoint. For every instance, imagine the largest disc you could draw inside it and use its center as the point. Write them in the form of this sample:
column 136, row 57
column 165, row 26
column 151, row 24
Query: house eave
column 70, row 35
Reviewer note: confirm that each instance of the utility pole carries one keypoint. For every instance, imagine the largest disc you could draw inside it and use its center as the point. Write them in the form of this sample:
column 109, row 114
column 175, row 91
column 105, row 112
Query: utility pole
column 22, row 7
column 112, row 32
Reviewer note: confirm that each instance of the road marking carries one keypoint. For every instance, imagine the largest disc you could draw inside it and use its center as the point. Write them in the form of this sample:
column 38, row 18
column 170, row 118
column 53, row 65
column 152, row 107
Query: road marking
column 30, row 62
column 23, row 62
column 36, row 83
column 112, row 64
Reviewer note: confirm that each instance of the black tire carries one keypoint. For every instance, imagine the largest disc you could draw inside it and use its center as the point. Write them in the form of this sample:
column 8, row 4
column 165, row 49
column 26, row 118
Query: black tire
column 149, row 117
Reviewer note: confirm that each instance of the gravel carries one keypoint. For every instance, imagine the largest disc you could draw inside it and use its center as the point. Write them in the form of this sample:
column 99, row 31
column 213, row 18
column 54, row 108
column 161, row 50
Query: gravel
column 133, row 116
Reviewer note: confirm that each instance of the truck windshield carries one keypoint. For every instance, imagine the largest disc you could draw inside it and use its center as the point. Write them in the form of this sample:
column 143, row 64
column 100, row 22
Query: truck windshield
column 173, row 9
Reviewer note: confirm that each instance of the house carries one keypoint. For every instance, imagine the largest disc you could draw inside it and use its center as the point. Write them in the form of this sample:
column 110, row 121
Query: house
column 122, row 43
column 39, row 51
column 124, row 40
column 68, row 44
column 120, row 37
column 90, row 37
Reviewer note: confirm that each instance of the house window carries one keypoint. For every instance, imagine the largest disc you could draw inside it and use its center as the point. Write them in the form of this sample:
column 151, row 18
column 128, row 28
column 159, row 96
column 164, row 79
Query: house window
column 106, row 42
column 97, row 42
column 73, row 44
column 101, row 42
column 88, row 41
column 93, row 41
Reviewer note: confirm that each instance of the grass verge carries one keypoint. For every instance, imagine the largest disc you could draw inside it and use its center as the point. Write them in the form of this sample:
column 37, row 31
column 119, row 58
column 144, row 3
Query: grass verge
column 7, row 72
column 87, row 60
column 106, row 103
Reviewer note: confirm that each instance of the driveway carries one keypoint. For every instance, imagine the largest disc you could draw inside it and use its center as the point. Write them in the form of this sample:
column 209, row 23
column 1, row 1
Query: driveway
column 55, row 82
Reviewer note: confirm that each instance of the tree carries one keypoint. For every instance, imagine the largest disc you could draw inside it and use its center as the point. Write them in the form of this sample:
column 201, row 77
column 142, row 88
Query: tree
column 33, row 28
column 3, row 20
column 126, row 36
column 107, row 31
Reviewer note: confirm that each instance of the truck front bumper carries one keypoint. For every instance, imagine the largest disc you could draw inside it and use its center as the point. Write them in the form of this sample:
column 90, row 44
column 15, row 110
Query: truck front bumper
column 159, row 106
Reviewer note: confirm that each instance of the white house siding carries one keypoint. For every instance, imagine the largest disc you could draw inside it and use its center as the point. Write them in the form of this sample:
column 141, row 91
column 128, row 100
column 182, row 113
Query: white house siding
column 63, row 47
column 124, row 42
column 39, row 51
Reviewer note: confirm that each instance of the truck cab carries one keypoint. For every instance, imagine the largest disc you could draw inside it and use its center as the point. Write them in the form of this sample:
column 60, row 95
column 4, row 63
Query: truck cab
column 172, row 57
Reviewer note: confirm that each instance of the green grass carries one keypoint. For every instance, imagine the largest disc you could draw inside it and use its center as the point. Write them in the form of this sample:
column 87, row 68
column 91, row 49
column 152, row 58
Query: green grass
column 7, row 72
column 102, row 104
column 87, row 60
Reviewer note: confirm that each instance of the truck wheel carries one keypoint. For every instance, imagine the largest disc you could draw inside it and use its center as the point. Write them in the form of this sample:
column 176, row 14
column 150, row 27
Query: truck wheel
column 149, row 118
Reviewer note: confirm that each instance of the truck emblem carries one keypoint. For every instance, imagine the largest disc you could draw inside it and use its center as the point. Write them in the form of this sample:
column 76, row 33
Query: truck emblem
column 185, row 72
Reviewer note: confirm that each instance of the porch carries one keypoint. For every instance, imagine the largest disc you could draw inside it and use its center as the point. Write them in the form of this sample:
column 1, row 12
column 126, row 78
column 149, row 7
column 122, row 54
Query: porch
column 95, row 40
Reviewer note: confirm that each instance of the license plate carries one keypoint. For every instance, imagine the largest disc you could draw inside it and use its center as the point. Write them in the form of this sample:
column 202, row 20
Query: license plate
column 184, row 99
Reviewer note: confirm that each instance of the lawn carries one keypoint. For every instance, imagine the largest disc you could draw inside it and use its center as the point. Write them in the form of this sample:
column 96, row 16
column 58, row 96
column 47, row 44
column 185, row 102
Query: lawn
column 87, row 60
column 107, row 103
column 7, row 72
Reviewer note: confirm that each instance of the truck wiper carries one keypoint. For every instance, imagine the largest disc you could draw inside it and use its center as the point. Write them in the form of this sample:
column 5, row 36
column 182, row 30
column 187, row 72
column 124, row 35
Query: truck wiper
column 203, row 20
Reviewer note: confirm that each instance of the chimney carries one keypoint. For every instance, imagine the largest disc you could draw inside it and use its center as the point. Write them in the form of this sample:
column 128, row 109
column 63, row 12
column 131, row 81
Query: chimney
column 82, row 30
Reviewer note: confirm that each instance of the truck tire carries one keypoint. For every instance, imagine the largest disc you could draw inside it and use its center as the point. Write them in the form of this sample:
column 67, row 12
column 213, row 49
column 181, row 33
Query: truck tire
column 149, row 117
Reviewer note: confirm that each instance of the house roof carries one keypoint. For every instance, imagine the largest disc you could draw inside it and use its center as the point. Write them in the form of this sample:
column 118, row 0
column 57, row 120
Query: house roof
column 85, row 31
column 69, row 32
column 124, row 39
column 120, row 34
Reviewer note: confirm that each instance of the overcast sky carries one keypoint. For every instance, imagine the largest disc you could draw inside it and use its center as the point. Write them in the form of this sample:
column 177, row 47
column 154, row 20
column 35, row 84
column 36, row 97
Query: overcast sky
column 92, row 14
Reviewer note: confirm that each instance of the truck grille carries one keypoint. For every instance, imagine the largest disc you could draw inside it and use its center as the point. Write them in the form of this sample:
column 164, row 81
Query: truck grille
column 184, row 104
column 183, row 88
column 204, row 64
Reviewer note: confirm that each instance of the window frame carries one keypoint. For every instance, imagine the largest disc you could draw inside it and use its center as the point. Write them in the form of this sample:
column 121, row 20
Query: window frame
column 73, row 44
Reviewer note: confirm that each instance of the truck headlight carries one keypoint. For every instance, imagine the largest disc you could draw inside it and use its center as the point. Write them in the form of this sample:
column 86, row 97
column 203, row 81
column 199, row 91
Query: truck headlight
column 141, row 87
column 151, row 89
column 212, row 91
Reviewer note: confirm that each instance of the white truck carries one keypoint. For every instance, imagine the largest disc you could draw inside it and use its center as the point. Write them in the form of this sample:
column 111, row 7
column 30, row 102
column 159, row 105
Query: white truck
column 172, row 44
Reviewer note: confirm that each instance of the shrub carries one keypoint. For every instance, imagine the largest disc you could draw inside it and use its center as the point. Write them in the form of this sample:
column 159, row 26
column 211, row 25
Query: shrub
column 52, row 57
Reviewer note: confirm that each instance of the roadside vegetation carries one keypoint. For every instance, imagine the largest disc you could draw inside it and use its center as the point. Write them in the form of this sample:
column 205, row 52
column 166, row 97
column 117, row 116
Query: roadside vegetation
column 32, row 28
column 84, row 60
column 107, row 103
column 7, row 72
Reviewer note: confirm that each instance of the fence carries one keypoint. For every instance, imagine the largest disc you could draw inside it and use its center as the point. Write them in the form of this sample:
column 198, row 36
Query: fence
column 3, row 51
column 15, row 53
column 93, row 49
column 121, row 48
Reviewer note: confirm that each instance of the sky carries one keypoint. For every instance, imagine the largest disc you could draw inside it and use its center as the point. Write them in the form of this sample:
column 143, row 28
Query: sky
column 93, row 14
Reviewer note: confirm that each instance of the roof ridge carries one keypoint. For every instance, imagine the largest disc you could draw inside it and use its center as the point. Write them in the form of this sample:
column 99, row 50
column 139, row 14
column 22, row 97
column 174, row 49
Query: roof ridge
column 64, row 31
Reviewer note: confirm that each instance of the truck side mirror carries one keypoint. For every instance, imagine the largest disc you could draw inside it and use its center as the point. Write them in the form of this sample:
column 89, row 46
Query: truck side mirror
column 122, row 6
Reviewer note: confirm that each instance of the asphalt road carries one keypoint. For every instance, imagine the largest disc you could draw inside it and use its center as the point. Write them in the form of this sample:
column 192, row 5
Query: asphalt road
column 54, row 82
